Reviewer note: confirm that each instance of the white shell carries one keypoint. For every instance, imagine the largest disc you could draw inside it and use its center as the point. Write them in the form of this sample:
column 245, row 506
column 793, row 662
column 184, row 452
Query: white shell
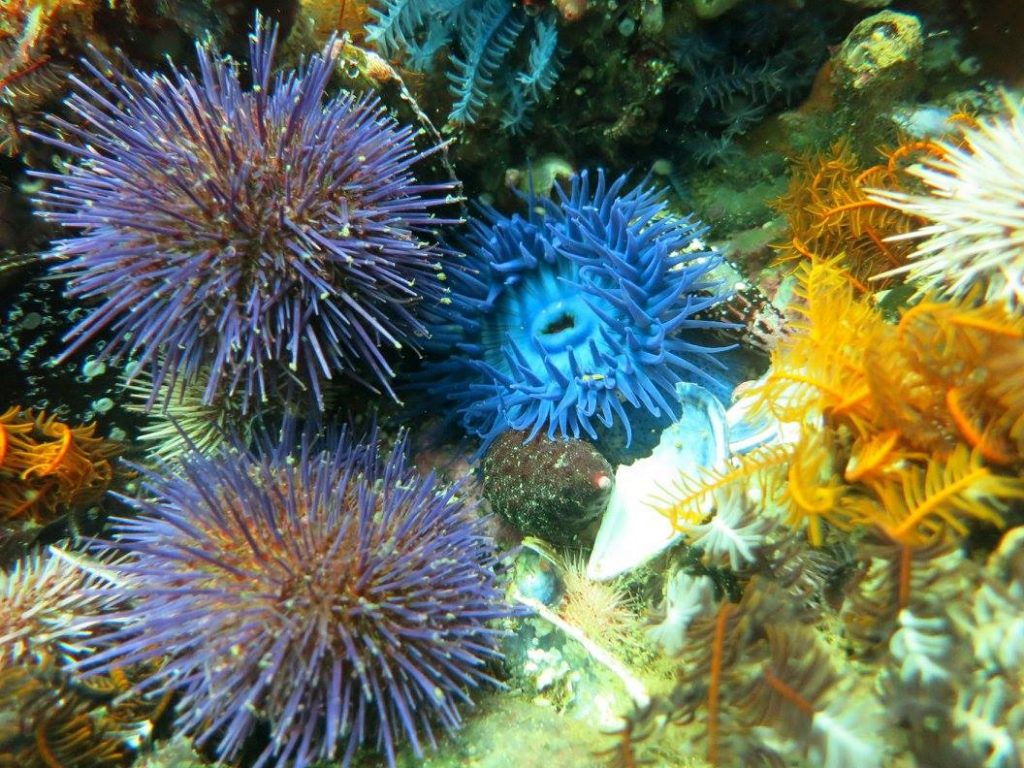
column 632, row 531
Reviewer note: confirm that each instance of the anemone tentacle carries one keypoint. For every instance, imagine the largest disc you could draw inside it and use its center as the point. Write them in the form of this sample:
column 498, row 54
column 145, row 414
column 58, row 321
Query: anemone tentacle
column 562, row 316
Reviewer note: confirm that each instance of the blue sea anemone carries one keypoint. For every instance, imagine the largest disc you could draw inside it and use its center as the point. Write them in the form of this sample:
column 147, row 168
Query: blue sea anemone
column 242, row 236
column 332, row 594
column 585, row 304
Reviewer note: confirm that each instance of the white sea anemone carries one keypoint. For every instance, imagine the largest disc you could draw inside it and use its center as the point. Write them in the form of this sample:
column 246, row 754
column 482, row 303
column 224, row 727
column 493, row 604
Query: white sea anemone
column 975, row 210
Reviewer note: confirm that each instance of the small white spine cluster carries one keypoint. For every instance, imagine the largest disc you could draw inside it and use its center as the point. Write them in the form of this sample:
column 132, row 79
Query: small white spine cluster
column 686, row 598
column 921, row 647
column 847, row 733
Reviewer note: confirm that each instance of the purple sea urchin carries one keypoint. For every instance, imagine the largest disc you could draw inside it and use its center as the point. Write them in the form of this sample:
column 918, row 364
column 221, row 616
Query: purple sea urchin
column 563, row 316
column 242, row 235
column 334, row 595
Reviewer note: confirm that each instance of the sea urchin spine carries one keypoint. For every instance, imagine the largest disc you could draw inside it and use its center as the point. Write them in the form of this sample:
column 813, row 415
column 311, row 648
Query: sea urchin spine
column 331, row 593
column 248, row 236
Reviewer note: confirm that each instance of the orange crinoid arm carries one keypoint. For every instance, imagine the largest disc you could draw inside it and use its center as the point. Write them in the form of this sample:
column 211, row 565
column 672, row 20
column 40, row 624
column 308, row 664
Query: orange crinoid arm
column 46, row 465
column 819, row 367
column 914, row 428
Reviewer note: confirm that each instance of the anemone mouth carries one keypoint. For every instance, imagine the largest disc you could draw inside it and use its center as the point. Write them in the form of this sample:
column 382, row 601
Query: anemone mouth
column 566, row 322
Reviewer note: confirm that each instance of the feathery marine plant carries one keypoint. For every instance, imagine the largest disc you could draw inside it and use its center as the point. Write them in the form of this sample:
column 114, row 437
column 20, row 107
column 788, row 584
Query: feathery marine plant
column 242, row 236
column 898, row 439
column 48, row 467
column 735, row 71
column 568, row 314
column 29, row 77
column 487, row 35
column 48, row 608
column 40, row 42
column 56, row 722
column 831, row 216
column 909, row 431
column 956, row 664
column 760, row 686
